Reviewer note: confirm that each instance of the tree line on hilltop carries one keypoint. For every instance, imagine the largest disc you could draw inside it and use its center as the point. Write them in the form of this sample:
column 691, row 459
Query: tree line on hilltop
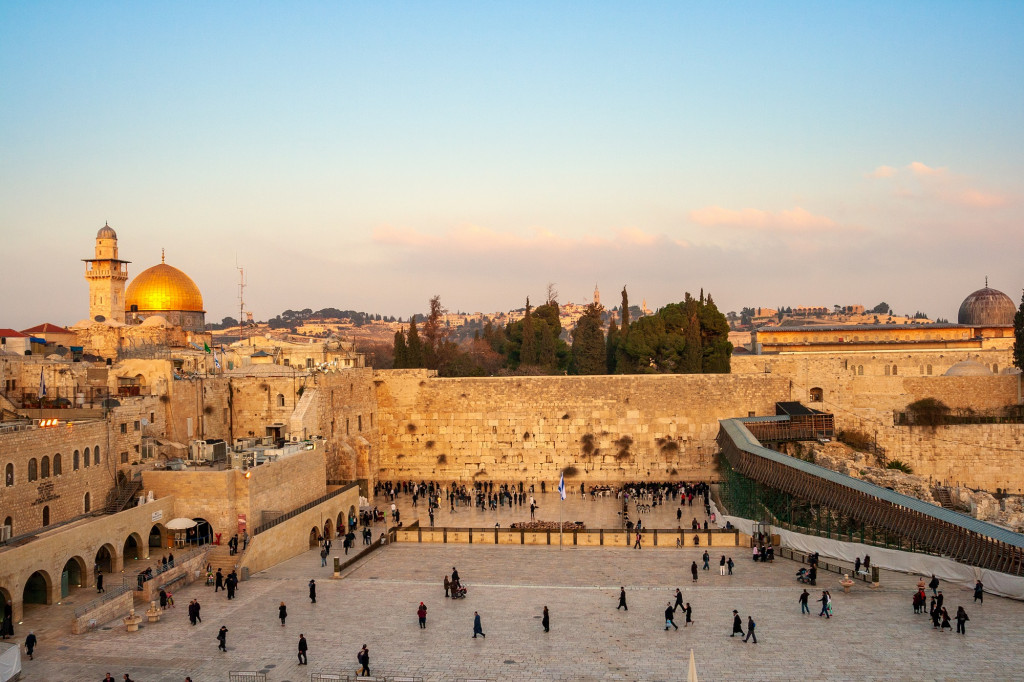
column 689, row 337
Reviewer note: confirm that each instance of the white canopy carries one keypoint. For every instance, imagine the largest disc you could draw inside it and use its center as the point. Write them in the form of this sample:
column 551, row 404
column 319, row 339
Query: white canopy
column 181, row 523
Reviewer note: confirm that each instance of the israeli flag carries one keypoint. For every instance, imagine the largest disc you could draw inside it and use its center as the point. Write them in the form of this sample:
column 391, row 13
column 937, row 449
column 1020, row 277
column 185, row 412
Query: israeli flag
column 561, row 486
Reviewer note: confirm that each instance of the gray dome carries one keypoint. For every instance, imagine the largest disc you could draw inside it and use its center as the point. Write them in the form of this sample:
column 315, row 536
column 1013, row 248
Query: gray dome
column 987, row 307
column 106, row 232
column 968, row 368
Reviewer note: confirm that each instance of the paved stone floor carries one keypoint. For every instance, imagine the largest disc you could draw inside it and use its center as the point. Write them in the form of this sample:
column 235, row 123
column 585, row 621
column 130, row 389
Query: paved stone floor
column 873, row 636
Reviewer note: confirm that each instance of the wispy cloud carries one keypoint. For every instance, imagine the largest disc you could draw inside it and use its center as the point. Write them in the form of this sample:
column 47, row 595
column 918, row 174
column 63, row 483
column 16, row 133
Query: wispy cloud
column 796, row 219
column 482, row 239
column 918, row 180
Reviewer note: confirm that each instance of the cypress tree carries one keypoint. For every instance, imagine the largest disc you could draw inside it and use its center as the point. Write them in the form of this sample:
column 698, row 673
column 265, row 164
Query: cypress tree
column 611, row 347
column 588, row 346
column 1018, row 333
column 528, row 349
column 401, row 351
column 414, row 352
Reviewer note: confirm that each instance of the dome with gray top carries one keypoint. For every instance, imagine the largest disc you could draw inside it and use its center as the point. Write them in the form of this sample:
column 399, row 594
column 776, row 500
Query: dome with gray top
column 987, row 307
column 106, row 232
column 968, row 368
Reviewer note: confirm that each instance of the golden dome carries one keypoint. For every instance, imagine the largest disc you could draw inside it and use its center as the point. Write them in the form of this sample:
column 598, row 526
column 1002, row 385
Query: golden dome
column 162, row 287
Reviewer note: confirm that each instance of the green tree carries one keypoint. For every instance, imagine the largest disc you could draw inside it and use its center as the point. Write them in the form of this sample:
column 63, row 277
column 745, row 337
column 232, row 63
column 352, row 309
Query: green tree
column 611, row 345
column 414, row 347
column 588, row 349
column 528, row 343
column 401, row 351
column 1018, row 333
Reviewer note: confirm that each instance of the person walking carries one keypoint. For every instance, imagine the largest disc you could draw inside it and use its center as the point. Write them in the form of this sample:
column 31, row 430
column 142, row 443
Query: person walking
column 192, row 612
column 824, row 605
column 693, row 571
column 222, row 638
column 477, row 627
column 688, row 611
column 979, row 592
column 729, row 564
column 721, row 565
column 545, row 620
column 230, row 584
column 364, row 660
column 447, row 585
column 961, row 620
column 670, row 616
column 421, row 613
column 99, row 583
column 622, row 599
column 303, row 647
column 636, row 545
column 933, row 584
column 945, row 619
column 323, row 554
column 750, row 630
column 197, row 609
column 737, row 623
column 804, row 608
column 707, row 559
column 312, row 591
column 218, row 584
column 163, row 598
column 282, row 613
column 30, row 644
column 679, row 600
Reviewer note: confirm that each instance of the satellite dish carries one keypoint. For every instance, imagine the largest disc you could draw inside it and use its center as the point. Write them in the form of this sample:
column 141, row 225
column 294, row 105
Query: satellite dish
column 100, row 318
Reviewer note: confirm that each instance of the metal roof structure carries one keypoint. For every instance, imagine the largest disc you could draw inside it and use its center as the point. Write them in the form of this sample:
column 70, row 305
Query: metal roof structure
column 943, row 531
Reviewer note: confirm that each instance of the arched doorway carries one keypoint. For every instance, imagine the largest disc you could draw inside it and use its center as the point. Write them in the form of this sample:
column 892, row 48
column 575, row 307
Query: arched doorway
column 6, row 605
column 314, row 538
column 353, row 518
column 37, row 589
column 158, row 536
column 340, row 525
column 201, row 533
column 46, row 515
column 105, row 559
column 73, row 576
column 132, row 550
column 328, row 529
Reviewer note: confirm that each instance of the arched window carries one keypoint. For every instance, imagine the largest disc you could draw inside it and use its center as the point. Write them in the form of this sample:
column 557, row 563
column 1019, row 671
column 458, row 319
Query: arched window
column 9, row 522
column 74, row 460
column 860, row 370
column 280, row 400
column 886, row 374
column 33, row 471
column 87, row 504
column 44, row 467
column 57, row 468
column 96, row 455
column 87, row 458
column 817, row 395
column 46, row 515
column 995, row 368
column 9, row 475
column 929, row 369
column 895, row 370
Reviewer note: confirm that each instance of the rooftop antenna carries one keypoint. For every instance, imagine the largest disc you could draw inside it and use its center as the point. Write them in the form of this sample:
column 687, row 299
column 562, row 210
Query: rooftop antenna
column 241, row 299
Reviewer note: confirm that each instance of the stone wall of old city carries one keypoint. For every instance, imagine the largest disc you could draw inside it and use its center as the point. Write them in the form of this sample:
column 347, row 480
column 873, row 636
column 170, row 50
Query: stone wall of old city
column 610, row 428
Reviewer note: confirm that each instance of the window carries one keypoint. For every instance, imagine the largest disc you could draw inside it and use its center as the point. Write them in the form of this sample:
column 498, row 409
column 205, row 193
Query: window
column 9, row 475
column 87, row 458
column 57, row 465
column 995, row 368
column 96, row 455
column 287, row 362
column 136, row 425
column 152, row 417
column 44, row 467
column 346, row 426
column 887, row 370
column 46, row 515
column 860, row 370
column 9, row 522
column 124, row 427
column 33, row 471
column 817, row 395
column 309, row 363
column 124, row 457
column 929, row 370
column 87, row 504
column 74, row 461
column 895, row 370
column 280, row 400
column 360, row 422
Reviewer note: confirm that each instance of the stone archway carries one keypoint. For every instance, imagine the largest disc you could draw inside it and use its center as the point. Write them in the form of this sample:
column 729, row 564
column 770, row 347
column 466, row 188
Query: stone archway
column 38, row 589
column 314, row 537
column 6, row 606
column 132, row 550
column 340, row 523
column 73, row 576
column 158, row 536
column 106, row 559
column 328, row 529
column 353, row 518
column 201, row 533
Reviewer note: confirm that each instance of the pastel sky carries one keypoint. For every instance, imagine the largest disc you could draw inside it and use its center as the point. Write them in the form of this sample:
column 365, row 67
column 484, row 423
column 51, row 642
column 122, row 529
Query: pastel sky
column 370, row 155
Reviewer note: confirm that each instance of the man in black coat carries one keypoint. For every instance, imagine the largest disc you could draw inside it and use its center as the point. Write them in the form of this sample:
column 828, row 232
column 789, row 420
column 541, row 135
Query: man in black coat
column 218, row 581
column 312, row 591
column 622, row 599
column 302, row 650
column 737, row 624
column 669, row 617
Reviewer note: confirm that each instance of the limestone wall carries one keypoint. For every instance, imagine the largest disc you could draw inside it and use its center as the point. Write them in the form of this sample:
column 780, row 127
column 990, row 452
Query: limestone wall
column 117, row 607
column 611, row 428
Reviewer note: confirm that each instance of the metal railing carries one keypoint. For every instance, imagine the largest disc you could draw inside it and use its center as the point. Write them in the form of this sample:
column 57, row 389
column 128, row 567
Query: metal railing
column 160, row 569
column 306, row 507
column 108, row 595
column 246, row 676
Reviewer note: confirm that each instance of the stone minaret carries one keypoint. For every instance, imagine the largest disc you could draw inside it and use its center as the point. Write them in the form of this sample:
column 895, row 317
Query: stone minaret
column 106, row 275
column 597, row 296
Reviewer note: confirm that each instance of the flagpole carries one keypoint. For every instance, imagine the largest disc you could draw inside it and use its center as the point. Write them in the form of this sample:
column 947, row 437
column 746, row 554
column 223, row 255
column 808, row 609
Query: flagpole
column 560, row 501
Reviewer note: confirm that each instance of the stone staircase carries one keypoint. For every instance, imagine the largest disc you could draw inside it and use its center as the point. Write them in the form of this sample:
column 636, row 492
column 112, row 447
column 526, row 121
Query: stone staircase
column 220, row 557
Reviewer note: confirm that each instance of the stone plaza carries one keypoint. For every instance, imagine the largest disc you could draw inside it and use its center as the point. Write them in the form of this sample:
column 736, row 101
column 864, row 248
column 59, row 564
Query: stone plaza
column 874, row 634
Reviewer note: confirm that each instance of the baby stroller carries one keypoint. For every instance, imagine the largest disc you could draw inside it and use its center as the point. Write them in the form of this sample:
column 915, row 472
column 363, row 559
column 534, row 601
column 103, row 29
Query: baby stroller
column 803, row 576
column 458, row 591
